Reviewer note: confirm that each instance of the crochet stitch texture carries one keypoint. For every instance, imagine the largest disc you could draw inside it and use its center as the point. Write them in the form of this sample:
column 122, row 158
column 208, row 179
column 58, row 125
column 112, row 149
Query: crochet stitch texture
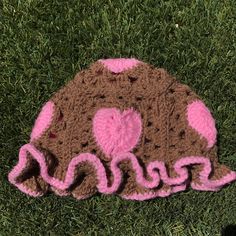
column 121, row 127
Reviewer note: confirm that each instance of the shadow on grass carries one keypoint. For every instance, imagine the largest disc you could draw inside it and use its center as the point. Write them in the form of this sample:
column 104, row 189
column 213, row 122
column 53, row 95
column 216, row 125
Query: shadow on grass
column 229, row 230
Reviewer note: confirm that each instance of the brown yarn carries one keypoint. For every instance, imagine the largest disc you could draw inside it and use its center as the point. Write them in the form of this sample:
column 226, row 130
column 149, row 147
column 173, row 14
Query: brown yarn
column 157, row 96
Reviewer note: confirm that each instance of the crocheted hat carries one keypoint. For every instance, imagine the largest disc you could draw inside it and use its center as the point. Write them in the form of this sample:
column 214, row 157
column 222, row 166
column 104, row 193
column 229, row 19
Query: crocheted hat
column 121, row 127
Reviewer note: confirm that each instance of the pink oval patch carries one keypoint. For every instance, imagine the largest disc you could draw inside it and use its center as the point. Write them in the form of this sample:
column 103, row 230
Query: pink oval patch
column 117, row 132
column 43, row 120
column 117, row 65
column 200, row 119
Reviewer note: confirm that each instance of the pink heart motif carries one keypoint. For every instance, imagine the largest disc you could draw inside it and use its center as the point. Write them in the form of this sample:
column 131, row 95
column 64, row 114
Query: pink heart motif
column 115, row 131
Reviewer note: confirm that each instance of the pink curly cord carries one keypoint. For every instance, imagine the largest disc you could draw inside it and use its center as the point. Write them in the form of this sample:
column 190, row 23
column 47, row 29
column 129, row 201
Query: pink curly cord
column 180, row 168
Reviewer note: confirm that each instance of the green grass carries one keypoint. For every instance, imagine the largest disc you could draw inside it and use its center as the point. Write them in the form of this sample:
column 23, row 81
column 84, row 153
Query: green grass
column 44, row 43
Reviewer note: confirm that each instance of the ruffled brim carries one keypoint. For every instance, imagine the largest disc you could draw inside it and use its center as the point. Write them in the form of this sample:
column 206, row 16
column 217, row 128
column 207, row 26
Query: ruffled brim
column 156, row 170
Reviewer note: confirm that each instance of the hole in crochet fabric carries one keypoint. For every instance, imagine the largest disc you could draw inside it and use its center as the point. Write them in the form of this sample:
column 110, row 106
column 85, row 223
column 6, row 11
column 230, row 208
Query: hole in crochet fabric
column 66, row 98
column 146, row 140
column 171, row 129
column 157, row 129
column 60, row 117
column 84, row 144
column 149, row 108
column 172, row 90
column 120, row 97
column 172, row 146
column 94, row 151
column 177, row 116
column 60, row 142
column 139, row 98
column 194, row 142
column 188, row 92
column 102, row 96
column 157, row 146
column 182, row 134
column 132, row 79
column 149, row 123
column 51, row 135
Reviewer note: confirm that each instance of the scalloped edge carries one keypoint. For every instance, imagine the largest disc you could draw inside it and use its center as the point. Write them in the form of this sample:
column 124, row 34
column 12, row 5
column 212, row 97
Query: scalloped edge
column 156, row 176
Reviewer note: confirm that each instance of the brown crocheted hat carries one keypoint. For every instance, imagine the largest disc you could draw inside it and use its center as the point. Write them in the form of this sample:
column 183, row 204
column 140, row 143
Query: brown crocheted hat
column 121, row 127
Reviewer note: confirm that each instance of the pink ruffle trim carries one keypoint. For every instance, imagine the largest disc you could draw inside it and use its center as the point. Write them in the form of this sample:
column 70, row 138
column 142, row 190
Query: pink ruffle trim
column 156, row 170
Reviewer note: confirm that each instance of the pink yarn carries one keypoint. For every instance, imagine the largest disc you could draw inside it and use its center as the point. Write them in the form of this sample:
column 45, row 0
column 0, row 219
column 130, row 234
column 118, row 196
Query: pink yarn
column 117, row 65
column 117, row 132
column 200, row 119
column 153, row 169
column 43, row 120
